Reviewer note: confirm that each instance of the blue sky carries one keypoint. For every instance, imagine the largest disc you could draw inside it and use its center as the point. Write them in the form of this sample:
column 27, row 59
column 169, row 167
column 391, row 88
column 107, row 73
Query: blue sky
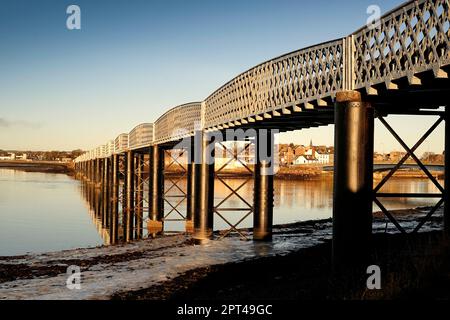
column 133, row 60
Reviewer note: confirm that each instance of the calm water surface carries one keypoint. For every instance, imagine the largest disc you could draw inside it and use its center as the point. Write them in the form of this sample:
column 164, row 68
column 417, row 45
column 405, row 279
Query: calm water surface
column 46, row 212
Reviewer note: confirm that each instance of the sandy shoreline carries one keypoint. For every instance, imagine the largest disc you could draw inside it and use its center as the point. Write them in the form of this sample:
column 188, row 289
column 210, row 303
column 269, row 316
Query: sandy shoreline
column 37, row 166
column 133, row 270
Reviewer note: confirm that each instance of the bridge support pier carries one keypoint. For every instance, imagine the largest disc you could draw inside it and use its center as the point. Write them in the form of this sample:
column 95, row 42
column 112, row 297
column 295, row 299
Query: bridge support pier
column 106, row 193
column 139, row 206
column 156, row 190
column 192, row 191
column 447, row 173
column 263, row 186
column 97, row 172
column 353, row 178
column 89, row 170
column 129, row 213
column 204, row 203
column 93, row 171
column 114, row 216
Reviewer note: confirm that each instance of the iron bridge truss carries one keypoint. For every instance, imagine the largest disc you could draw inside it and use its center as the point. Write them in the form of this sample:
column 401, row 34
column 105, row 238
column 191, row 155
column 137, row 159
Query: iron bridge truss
column 174, row 195
column 410, row 153
column 220, row 209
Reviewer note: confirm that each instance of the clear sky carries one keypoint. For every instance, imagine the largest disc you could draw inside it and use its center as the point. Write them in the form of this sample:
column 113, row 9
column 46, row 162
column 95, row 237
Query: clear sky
column 133, row 60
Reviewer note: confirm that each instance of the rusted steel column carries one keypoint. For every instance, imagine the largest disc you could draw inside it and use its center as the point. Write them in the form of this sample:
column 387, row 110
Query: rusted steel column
column 447, row 173
column 191, row 189
column 156, row 190
column 139, row 207
column 353, row 178
column 263, row 186
column 204, row 204
column 130, row 170
column 114, row 218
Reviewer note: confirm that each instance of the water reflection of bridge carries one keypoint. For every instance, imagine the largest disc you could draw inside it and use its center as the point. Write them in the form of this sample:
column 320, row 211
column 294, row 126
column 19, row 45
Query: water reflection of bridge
column 390, row 166
column 397, row 68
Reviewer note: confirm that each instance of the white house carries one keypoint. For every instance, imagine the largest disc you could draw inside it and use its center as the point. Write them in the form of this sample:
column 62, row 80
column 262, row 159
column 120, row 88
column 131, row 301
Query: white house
column 323, row 157
column 305, row 159
column 21, row 157
column 13, row 156
column 10, row 156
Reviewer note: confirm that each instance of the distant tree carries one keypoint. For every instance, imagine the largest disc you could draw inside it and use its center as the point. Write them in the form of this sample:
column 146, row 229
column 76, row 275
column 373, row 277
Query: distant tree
column 76, row 153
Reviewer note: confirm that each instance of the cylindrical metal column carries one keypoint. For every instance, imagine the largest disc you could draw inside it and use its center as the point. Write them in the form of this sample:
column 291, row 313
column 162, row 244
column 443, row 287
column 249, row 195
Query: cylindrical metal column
column 353, row 178
column 191, row 189
column 447, row 173
column 97, row 171
column 130, row 195
column 263, row 186
column 204, row 212
column 106, row 195
column 156, row 190
column 92, row 166
column 124, row 227
column 114, row 222
column 93, row 170
column 89, row 170
column 139, row 206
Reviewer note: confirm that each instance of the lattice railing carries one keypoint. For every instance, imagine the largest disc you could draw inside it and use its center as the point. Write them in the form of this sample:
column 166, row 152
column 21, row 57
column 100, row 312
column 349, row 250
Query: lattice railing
column 121, row 143
column 412, row 39
column 141, row 136
column 293, row 79
column 177, row 123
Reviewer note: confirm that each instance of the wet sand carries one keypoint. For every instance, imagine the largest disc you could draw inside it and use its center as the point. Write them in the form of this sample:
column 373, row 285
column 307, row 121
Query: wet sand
column 307, row 275
column 296, row 265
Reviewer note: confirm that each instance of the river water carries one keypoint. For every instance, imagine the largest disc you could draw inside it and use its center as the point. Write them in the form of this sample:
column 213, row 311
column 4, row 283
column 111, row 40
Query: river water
column 46, row 212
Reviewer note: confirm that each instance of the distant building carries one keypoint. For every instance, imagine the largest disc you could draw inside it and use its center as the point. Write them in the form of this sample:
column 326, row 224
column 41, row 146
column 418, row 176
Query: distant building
column 12, row 156
column 21, row 157
column 305, row 159
column 300, row 150
column 396, row 155
column 323, row 157
column 379, row 157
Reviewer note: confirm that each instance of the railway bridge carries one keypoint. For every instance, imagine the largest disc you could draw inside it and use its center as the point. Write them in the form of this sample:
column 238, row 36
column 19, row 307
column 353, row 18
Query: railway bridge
column 400, row 67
